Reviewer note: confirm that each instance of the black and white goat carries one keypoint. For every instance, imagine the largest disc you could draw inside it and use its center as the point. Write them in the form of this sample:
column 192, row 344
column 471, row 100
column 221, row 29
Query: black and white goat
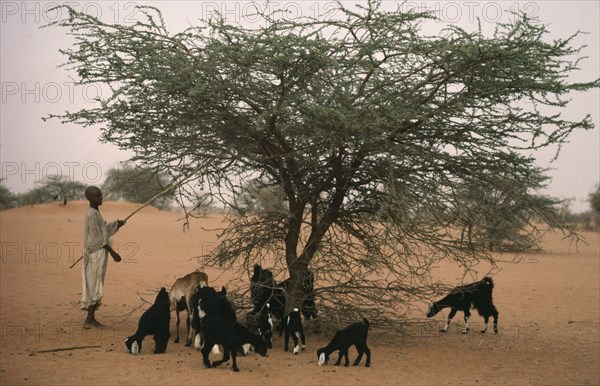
column 264, row 289
column 292, row 326
column 231, row 335
column 154, row 321
column 265, row 325
column 476, row 295
column 353, row 335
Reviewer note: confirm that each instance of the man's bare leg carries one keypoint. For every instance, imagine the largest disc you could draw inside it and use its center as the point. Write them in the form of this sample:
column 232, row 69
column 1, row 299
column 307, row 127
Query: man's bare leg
column 90, row 321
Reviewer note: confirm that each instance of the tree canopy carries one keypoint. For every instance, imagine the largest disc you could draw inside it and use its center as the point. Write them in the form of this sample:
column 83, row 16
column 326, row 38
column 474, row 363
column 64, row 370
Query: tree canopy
column 7, row 198
column 137, row 184
column 376, row 133
column 52, row 188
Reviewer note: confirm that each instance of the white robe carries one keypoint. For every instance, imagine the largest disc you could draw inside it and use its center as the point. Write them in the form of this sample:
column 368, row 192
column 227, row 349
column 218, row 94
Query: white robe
column 95, row 257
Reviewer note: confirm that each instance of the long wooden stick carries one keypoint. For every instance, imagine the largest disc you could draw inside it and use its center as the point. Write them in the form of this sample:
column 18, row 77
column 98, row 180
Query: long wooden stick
column 67, row 348
column 167, row 190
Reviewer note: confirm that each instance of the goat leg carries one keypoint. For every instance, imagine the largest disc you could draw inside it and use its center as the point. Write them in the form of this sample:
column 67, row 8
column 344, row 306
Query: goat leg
column 339, row 360
column 466, row 329
column 286, row 344
column 346, row 359
column 295, row 339
column 486, row 319
column 303, row 339
column 233, row 359
column 205, row 360
column 361, row 351
column 190, row 327
column 450, row 316
column 226, row 355
column 177, row 325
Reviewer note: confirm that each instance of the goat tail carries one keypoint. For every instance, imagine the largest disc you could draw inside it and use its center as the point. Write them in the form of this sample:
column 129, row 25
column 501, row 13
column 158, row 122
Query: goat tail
column 366, row 322
column 488, row 280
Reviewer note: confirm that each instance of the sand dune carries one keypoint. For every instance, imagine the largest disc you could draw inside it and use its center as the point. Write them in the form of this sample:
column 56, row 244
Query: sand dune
column 549, row 314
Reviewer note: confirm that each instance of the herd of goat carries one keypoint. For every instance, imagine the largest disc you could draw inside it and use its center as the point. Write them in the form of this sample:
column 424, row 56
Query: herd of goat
column 211, row 319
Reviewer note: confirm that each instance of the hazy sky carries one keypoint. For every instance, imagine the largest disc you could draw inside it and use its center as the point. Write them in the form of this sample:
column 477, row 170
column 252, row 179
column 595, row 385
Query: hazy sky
column 33, row 86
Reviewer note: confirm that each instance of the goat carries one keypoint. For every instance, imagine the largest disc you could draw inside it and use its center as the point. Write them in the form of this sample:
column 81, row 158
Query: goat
column 181, row 295
column 265, row 325
column 355, row 334
column 210, row 302
column 231, row 335
column 154, row 321
column 264, row 289
column 292, row 325
column 476, row 295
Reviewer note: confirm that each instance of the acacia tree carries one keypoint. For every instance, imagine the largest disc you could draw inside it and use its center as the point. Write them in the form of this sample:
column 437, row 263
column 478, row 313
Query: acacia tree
column 137, row 184
column 370, row 128
column 55, row 187
column 491, row 211
column 7, row 198
column 260, row 197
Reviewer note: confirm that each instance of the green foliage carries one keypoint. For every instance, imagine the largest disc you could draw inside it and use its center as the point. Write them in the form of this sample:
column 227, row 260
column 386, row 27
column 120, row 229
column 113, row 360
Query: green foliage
column 496, row 214
column 371, row 129
column 137, row 184
column 7, row 198
column 37, row 195
column 260, row 197
column 52, row 188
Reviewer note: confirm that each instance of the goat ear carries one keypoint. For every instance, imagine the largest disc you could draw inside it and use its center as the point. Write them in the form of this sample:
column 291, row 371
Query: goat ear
column 135, row 348
column 321, row 359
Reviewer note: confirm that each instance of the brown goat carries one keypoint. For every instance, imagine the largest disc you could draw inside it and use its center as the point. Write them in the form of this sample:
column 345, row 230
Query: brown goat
column 181, row 299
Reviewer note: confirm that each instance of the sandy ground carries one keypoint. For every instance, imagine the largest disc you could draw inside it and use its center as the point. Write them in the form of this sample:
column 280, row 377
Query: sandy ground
column 549, row 315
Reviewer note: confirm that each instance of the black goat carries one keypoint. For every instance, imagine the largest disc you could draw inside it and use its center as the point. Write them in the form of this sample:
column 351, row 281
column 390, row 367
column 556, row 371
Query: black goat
column 265, row 325
column 292, row 326
column 210, row 302
column 264, row 289
column 231, row 335
column 355, row 334
column 154, row 321
column 476, row 295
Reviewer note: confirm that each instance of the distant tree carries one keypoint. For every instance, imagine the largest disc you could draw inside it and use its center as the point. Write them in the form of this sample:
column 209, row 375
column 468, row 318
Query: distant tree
column 594, row 199
column 261, row 197
column 593, row 222
column 492, row 214
column 137, row 184
column 37, row 195
column 7, row 198
column 369, row 125
column 56, row 187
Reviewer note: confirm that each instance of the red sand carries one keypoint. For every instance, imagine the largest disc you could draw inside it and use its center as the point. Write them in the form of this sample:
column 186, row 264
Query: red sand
column 549, row 315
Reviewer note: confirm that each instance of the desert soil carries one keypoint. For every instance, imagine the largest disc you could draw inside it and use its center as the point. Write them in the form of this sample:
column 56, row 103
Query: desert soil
column 549, row 314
